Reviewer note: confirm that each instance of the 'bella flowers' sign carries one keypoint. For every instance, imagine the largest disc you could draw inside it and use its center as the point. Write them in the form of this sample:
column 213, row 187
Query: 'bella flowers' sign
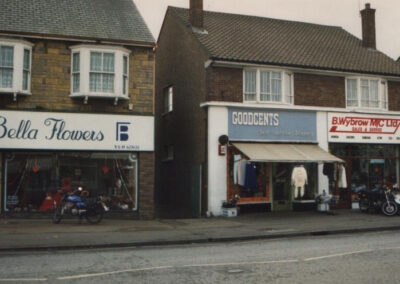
column 75, row 131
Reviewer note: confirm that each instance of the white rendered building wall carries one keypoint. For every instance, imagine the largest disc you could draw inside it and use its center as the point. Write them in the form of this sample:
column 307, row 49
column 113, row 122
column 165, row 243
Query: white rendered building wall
column 217, row 126
column 322, row 138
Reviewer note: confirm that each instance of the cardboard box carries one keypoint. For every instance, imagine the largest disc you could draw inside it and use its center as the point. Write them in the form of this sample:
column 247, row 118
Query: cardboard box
column 229, row 212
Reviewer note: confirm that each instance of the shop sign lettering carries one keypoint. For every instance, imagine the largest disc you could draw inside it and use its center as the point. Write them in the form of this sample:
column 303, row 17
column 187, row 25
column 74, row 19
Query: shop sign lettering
column 363, row 128
column 271, row 125
column 255, row 118
column 57, row 130
column 75, row 131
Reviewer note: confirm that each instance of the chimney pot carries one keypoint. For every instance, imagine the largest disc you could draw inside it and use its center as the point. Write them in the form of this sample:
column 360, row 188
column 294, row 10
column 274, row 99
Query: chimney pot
column 368, row 27
column 196, row 13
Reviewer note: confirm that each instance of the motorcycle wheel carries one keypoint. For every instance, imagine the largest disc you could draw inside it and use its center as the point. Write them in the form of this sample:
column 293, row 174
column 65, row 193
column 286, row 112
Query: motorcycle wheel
column 57, row 214
column 363, row 204
column 95, row 215
column 389, row 208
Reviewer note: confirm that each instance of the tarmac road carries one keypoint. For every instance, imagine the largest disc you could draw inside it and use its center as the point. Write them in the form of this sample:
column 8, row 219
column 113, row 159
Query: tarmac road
column 346, row 258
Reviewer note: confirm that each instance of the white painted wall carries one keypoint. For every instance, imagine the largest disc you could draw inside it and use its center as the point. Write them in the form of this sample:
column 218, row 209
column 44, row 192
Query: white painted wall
column 322, row 138
column 217, row 126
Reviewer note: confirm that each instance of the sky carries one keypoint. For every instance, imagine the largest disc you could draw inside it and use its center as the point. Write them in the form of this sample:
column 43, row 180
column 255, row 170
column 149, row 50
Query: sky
column 342, row 13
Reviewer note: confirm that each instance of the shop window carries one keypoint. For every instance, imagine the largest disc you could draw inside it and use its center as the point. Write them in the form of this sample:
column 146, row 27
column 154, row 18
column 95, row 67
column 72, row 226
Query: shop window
column 33, row 178
column 248, row 180
column 168, row 99
column 368, row 166
column 15, row 66
column 99, row 71
column 168, row 152
column 267, row 86
column 369, row 93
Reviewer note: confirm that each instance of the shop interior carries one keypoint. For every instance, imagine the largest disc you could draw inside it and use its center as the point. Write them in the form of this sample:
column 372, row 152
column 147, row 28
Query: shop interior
column 34, row 180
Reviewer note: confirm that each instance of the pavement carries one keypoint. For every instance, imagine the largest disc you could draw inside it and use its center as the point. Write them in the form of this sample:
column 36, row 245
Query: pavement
column 41, row 234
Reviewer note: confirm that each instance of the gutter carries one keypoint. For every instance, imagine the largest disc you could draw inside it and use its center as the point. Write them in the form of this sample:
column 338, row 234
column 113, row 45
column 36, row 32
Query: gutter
column 78, row 39
column 299, row 69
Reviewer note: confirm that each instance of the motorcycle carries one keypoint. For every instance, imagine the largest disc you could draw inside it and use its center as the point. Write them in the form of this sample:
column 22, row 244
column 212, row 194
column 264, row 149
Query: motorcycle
column 77, row 204
column 380, row 198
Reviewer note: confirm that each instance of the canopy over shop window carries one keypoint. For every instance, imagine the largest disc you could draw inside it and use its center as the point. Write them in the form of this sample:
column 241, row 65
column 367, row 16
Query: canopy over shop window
column 285, row 153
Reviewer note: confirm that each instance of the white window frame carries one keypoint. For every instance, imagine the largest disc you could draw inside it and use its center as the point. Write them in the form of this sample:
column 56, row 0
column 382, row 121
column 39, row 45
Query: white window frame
column 84, row 71
column 19, row 47
column 286, row 86
column 168, row 99
column 382, row 93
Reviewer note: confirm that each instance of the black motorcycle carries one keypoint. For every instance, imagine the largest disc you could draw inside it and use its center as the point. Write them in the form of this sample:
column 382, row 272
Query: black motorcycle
column 380, row 199
column 78, row 204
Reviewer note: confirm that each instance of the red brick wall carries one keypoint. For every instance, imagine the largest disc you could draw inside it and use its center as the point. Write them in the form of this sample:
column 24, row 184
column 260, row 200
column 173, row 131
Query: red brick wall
column 394, row 95
column 318, row 90
column 146, row 185
column 224, row 84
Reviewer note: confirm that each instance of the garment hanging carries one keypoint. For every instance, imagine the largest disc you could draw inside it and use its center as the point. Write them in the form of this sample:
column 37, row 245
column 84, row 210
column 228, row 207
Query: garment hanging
column 299, row 180
column 236, row 163
column 251, row 176
column 342, row 181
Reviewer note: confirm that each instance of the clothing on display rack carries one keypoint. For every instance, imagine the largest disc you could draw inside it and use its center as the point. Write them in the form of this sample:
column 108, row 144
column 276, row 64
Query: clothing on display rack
column 251, row 176
column 299, row 180
column 342, row 181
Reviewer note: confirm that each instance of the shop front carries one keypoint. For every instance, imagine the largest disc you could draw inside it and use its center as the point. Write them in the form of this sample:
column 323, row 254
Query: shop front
column 47, row 154
column 273, row 160
column 368, row 144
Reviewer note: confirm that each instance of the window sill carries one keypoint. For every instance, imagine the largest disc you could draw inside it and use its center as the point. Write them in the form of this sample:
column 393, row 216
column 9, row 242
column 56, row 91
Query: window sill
column 116, row 97
column 364, row 109
column 166, row 113
column 268, row 103
column 15, row 94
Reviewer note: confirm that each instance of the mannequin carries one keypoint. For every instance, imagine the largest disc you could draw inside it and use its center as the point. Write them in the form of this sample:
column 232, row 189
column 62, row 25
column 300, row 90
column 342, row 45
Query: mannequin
column 299, row 180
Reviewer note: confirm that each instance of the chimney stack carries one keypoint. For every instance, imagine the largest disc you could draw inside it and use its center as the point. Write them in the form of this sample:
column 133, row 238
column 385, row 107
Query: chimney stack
column 368, row 27
column 196, row 13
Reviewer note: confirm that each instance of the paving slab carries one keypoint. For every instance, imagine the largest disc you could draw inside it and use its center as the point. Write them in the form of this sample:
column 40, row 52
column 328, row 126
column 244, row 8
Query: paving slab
column 42, row 234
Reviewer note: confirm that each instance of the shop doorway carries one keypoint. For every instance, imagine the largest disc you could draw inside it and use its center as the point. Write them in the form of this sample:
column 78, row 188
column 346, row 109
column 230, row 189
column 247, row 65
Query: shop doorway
column 282, row 199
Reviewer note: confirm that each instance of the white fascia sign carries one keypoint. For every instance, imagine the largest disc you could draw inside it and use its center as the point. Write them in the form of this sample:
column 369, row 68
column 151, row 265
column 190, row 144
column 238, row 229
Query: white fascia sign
column 75, row 131
column 363, row 128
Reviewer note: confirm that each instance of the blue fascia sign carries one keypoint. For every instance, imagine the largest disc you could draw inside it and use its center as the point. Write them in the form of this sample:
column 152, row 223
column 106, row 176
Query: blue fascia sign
column 271, row 125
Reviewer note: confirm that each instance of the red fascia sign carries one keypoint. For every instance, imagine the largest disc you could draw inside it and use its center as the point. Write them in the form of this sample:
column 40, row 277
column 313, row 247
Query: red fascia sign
column 363, row 128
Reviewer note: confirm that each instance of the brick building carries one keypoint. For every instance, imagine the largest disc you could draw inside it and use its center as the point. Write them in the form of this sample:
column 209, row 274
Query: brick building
column 272, row 111
column 76, row 99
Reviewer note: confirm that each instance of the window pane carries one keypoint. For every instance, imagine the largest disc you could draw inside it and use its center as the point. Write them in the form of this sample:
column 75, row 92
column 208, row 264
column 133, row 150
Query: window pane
column 95, row 82
column 76, row 62
column 26, row 59
column 352, row 92
column 6, row 56
column 373, row 94
column 6, row 77
column 250, row 85
column 364, row 93
column 276, row 86
column 95, row 61
column 108, row 83
column 108, row 62
column 265, row 86
column 124, row 83
column 76, row 82
column 125, row 65
column 25, row 80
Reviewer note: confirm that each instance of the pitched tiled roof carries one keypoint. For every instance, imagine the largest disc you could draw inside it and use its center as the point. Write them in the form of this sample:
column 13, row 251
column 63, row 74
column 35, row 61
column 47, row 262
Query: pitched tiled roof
column 97, row 19
column 251, row 39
